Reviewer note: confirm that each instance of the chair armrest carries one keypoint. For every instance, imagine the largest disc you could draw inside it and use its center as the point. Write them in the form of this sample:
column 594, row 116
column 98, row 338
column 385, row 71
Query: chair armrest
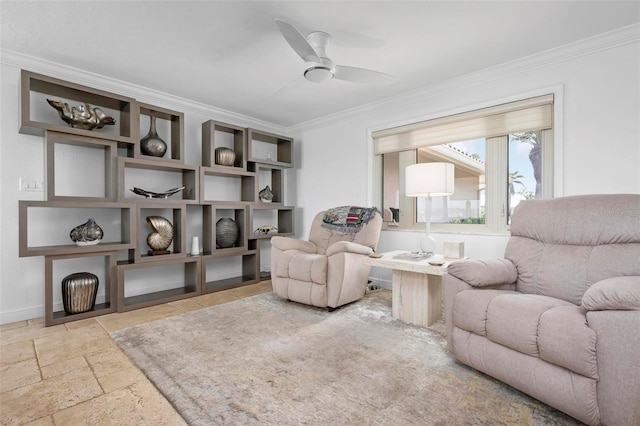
column 286, row 243
column 348, row 247
column 617, row 293
column 484, row 272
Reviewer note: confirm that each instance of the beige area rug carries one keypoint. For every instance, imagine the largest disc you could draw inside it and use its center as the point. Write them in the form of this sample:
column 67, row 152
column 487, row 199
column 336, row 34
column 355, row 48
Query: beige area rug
column 263, row 360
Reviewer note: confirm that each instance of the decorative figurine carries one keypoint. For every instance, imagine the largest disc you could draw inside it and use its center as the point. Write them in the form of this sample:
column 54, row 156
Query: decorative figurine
column 87, row 234
column 160, row 239
column 265, row 195
column 83, row 116
column 266, row 229
column 150, row 194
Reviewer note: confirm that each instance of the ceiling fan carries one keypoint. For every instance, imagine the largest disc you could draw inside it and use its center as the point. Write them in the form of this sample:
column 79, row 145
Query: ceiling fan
column 318, row 67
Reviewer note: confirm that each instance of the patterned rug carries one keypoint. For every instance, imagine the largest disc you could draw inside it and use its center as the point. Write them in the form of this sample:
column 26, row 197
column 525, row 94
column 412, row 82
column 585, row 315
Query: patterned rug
column 263, row 360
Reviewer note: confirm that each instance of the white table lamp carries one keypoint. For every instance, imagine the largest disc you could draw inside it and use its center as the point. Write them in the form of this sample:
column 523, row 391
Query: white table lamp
column 429, row 180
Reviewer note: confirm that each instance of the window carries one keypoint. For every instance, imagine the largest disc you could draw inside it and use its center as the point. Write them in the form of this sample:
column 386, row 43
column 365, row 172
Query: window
column 501, row 155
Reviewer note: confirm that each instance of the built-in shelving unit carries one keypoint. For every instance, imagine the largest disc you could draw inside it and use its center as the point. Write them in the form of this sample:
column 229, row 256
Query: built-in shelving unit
column 102, row 188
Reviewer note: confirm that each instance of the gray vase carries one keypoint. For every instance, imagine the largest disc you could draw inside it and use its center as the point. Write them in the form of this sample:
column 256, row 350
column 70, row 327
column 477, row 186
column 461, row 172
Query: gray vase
column 79, row 292
column 227, row 232
column 152, row 144
column 87, row 234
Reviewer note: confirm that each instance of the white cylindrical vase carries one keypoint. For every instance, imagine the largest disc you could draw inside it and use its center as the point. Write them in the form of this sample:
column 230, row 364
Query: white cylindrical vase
column 195, row 246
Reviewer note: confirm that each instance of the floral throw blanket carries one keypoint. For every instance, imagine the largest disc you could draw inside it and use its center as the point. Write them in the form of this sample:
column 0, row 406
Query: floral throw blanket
column 348, row 219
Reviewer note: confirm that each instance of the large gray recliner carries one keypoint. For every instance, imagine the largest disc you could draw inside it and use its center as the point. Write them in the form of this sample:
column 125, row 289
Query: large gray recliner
column 559, row 316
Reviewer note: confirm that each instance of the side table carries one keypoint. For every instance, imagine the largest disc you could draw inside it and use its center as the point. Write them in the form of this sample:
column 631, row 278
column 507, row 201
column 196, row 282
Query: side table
column 416, row 286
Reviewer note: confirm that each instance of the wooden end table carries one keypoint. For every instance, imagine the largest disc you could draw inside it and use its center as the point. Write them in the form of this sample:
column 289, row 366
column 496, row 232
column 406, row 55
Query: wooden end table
column 416, row 286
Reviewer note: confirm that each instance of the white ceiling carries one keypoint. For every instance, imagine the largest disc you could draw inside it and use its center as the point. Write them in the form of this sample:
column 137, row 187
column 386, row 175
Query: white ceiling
column 230, row 54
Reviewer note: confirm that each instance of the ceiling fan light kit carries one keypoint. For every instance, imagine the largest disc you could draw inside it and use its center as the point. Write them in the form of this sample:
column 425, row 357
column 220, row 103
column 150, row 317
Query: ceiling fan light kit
column 318, row 74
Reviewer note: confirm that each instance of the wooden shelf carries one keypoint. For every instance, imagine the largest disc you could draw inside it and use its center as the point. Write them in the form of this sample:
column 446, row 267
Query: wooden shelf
column 125, row 231
column 268, row 214
column 175, row 175
column 176, row 214
column 109, row 283
column 106, row 150
column 268, row 175
column 192, row 283
column 216, row 134
column 37, row 115
column 101, row 187
column 269, row 148
column 211, row 214
column 174, row 138
column 245, row 272
column 241, row 182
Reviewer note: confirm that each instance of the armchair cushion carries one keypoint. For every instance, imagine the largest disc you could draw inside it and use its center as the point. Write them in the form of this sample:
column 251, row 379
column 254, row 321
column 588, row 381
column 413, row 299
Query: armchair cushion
column 484, row 272
column 618, row 293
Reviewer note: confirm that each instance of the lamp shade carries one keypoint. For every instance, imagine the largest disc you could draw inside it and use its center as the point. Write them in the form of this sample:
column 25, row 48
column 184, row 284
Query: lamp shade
column 429, row 180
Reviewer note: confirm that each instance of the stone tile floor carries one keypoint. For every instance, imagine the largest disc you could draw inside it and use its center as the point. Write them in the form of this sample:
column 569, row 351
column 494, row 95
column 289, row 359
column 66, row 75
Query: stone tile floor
column 74, row 374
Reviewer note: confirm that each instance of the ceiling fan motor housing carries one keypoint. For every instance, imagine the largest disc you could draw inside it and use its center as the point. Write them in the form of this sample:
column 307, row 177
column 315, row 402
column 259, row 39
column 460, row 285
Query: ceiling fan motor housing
column 319, row 73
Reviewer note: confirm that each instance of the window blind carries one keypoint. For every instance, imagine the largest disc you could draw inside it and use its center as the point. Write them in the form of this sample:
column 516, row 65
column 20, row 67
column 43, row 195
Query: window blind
column 520, row 116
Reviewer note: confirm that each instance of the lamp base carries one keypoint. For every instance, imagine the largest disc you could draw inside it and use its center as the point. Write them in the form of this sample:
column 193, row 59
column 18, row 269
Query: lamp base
column 428, row 245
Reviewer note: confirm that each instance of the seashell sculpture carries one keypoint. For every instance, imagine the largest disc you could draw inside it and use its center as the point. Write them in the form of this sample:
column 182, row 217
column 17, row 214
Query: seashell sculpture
column 162, row 236
column 83, row 116
column 87, row 234
column 265, row 195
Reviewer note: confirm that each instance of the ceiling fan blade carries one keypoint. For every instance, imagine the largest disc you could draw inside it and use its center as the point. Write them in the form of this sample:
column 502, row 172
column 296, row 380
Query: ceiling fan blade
column 298, row 42
column 361, row 75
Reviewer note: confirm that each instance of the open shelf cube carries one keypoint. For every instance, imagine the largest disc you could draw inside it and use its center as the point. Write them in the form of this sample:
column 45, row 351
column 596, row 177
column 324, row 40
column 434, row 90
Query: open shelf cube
column 176, row 215
column 170, row 128
column 211, row 214
column 44, row 227
column 222, row 135
column 37, row 115
column 223, row 271
column 265, row 216
column 268, row 175
column 57, row 267
column 137, row 172
column 268, row 148
column 227, row 186
column 186, row 271
column 80, row 167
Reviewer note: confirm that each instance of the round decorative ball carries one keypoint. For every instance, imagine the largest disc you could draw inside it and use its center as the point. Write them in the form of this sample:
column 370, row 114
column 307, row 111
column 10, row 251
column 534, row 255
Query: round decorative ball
column 225, row 156
column 79, row 291
column 227, row 232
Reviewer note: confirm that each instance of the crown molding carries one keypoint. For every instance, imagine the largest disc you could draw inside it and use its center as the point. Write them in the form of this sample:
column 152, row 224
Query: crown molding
column 609, row 40
column 140, row 93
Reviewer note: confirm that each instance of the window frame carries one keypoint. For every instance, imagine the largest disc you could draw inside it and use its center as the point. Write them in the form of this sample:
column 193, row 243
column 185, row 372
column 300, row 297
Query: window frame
column 495, row 214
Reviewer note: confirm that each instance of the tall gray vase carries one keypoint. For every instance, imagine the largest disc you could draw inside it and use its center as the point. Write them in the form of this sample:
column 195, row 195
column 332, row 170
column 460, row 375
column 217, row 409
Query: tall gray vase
column 152, row 144
column 79, row 291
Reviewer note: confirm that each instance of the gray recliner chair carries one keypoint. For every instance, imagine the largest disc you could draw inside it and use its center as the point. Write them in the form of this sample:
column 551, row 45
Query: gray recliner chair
column 559, row 316
column 327, row 270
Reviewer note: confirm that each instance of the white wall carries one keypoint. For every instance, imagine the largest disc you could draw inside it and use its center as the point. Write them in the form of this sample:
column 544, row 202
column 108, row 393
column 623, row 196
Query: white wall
column 597, row 131
column 597, row 135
